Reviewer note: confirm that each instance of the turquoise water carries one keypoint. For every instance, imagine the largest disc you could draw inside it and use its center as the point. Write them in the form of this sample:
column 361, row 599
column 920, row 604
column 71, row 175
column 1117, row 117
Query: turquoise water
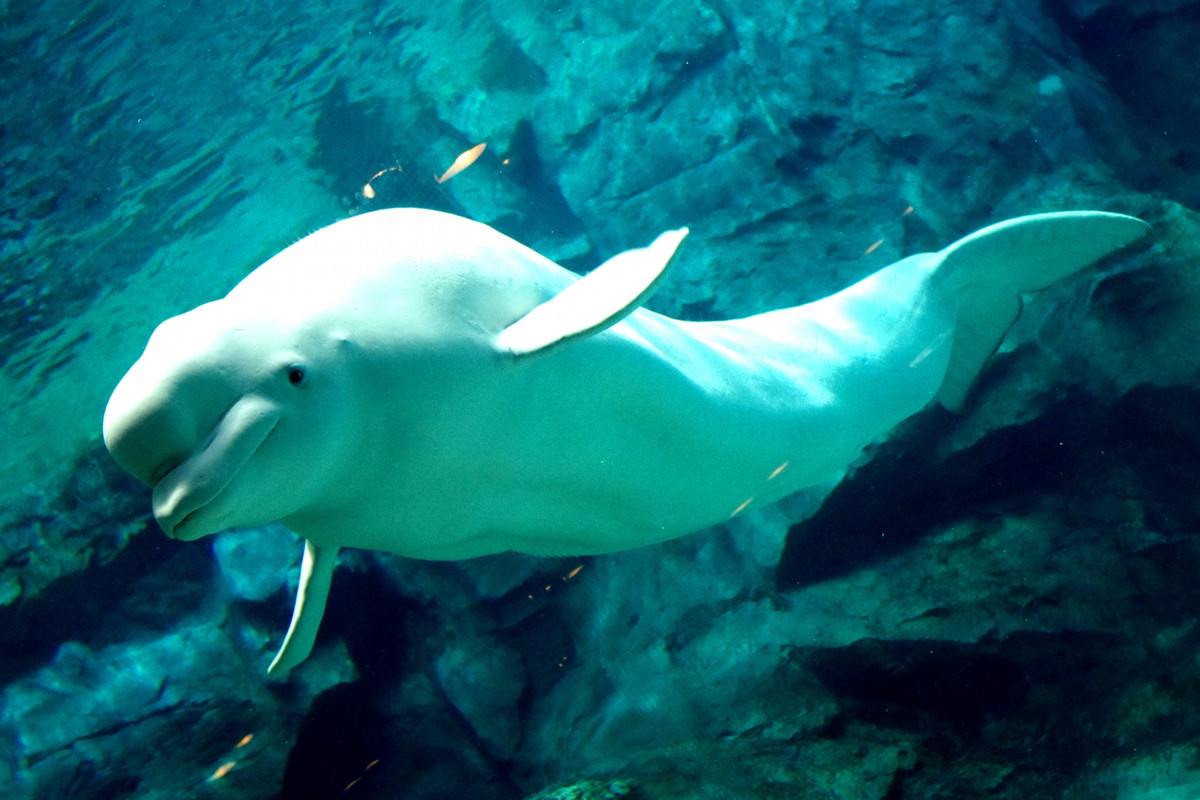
column 992, row 604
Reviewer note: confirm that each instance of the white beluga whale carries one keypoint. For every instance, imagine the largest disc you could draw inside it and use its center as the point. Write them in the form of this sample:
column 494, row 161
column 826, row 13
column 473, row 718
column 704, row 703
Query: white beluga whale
column 415, row 382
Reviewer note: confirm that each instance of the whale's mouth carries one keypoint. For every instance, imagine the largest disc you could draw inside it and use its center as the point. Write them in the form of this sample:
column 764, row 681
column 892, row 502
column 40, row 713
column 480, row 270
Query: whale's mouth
column 163, row 469
column 180, row 530
column 187, row 488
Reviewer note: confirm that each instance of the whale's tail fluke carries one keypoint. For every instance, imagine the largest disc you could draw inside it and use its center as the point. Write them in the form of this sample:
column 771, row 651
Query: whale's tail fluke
column 987, row 271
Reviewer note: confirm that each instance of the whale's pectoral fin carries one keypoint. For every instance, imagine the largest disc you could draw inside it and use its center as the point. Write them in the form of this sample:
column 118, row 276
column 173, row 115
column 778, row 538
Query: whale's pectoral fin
column 598, row 300
column 984, row 274
column 316, row 573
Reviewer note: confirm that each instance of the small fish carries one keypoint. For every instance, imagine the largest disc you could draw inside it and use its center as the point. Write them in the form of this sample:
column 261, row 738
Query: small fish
column 352, row 783
column 871, row 249
column 907, row 211
column 924, row 354
column 573, row 573
column 367, row 191
column 223, row 770
column 742, row 507
column 921, row 356
column 778, row 470
column 463, row 161
column 245, row 740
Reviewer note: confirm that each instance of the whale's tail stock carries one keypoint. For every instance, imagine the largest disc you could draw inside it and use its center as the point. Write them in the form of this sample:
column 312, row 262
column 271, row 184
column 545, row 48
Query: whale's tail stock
column 987, row 271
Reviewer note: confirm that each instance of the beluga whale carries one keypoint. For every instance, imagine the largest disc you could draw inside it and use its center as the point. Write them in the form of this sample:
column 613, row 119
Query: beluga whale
column 415, row 382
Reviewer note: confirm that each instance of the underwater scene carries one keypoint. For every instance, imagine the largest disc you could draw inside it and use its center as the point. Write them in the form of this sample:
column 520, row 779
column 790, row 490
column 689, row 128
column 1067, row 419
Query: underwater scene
column 644, row 399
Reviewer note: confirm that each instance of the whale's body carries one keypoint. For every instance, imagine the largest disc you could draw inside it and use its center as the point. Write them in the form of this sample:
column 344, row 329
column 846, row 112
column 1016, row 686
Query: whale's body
column 414, row 382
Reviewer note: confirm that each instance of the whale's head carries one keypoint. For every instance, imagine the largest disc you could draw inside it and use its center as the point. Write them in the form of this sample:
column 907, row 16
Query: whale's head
column 233, row 419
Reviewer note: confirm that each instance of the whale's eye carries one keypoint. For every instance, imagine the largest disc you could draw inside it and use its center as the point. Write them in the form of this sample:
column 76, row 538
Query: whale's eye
column 296, row 375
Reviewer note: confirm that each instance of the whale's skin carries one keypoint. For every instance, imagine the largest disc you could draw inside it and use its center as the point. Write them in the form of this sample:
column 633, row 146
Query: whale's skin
column 362, row 387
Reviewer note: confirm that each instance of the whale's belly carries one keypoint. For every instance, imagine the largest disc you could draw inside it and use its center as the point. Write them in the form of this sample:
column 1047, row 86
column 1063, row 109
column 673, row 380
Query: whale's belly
column 645, row 432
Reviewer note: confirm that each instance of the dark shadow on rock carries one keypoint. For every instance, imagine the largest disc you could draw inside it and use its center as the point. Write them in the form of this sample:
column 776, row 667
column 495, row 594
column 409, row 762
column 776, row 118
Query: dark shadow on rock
column 132, row 581
column 1043, row 705
column 1139, row 304
column 355, row 739
column 895, row 681
column 541, row 211
column 1156, row 432
column 1145, row 445
column 374, row 620
column 102, row 604
column 338, row 739
column 355, row 141
column 541, row 636
column 1147, row 59
column 904, row 492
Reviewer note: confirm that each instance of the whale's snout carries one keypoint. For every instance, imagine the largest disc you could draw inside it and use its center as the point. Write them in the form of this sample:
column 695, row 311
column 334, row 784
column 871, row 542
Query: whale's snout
column 147, row 431
column 186, row 433
column 185, row 493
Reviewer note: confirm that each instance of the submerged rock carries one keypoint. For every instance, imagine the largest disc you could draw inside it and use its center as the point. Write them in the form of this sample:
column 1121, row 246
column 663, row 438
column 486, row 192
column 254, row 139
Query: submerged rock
column 483, row 682
column 155, row 718
column 589, row 790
